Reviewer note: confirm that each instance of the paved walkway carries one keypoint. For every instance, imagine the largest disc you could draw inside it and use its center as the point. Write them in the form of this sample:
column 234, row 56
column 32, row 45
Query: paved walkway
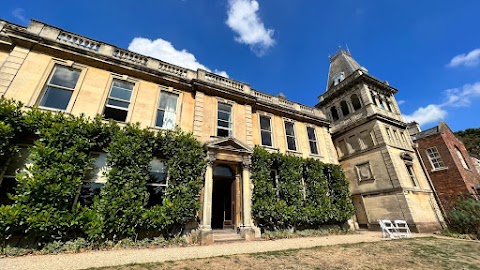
column 122, row 257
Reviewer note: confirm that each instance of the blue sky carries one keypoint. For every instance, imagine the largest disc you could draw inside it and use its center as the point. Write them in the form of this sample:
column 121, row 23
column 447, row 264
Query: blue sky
column 428, row 50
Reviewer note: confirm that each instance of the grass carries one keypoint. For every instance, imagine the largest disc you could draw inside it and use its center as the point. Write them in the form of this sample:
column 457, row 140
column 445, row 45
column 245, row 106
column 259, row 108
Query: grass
column 419, row 253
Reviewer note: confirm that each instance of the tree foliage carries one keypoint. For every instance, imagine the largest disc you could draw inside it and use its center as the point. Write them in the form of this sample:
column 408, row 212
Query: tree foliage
column 471, row 139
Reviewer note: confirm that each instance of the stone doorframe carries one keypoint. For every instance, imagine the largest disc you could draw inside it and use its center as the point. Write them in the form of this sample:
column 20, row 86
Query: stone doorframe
column 229, row 151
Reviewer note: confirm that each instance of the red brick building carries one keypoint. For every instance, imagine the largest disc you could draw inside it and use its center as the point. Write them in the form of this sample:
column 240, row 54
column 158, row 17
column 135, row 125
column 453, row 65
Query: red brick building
column 452, row 171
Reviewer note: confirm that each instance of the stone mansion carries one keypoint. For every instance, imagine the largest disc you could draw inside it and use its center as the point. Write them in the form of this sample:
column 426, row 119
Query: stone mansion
column 356, row 123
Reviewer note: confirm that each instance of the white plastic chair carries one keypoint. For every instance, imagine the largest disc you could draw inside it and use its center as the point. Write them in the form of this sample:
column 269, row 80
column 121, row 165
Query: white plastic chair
column 402, row 229
column 388, row 228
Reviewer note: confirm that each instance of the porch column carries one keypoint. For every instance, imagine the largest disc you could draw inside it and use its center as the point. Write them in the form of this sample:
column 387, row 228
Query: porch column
column 206, row 236
column 247, row 230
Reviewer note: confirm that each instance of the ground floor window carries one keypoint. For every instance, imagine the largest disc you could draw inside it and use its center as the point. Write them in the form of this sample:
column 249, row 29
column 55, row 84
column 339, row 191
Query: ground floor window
column 8, row 182
column 158, row 182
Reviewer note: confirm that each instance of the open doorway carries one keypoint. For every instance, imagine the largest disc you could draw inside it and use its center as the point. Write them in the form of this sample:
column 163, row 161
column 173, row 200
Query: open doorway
column 223, row 198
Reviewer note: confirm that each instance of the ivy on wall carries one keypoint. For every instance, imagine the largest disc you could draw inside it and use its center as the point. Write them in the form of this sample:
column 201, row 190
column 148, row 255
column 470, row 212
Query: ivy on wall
column 305, row 194
column 44, row 206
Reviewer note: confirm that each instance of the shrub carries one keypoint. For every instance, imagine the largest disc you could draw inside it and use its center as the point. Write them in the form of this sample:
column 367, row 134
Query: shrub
column 465, row 217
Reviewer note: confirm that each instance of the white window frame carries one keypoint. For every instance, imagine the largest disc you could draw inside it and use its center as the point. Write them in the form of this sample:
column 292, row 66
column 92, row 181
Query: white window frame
column 167, row 177
column 264, row 130
column 130, row 102
column 315, row 141
column 53, row 66
column 285, row 121
column 435, row 158
column 99, row 177
column 170, row 92
column 230, row 120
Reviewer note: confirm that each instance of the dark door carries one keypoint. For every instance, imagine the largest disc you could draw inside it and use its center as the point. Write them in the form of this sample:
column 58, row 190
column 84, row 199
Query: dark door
column 221, row 202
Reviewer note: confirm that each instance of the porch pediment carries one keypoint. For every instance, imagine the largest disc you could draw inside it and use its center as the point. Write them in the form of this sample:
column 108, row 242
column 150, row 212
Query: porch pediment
column 229, row 144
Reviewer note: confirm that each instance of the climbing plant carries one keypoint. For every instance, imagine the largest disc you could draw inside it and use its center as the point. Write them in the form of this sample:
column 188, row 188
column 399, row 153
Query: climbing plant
column 292, row 192
column 45, row 206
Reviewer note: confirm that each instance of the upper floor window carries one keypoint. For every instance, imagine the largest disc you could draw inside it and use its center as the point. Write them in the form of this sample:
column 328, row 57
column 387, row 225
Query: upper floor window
column 411, row 174
column 353, row 143
column 167, row 110
column 312, row 140
column 59, row 88
column 224, row 120
column 462, row 160
column 356, row 102
column 435, row 158
column 389, row 135
column 118, row 100
column 366, row 139
column 374, row 98
column 334, row 112
column 290, row 135
column 266, row 130
column 342, row 147
column 344, row 107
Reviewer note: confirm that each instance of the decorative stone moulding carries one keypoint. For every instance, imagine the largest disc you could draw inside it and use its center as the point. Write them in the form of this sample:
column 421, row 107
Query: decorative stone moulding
column 78, row 41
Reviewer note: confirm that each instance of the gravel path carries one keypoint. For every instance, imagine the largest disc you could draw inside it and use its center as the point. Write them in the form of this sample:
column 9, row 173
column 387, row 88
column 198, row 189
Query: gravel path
column 129, row 256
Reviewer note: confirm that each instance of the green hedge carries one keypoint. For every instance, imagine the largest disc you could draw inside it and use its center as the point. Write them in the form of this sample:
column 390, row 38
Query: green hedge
column 44, row 207
column 308, row 194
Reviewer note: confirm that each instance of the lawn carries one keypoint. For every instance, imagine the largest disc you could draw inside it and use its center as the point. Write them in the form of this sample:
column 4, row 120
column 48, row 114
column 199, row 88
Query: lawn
column 418, row 253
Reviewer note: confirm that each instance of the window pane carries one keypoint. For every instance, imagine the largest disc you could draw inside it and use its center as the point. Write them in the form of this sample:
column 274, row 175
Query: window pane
column 121, row 93
column 66, row 77
column 222, row 132
column 224, row 116
column 100, row 169
column 223, row 124
column 266, row 138
column 265, row 123
column 311, row 134
column 168, row 101
column 159, row 122
column 155, row 195
column 118, row 103
column 17, row 162
column 88, row 192
column 7, row 186
column 291, row 143
column 313, row 148
column 123, row 84
column 115, row 114
column 224, row 107
column 354, row 144
column 56, row 98
column 158, row 172
column 289, row 129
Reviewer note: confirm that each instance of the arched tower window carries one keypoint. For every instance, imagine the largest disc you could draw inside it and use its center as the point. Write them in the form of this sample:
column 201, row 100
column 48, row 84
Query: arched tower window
column 333, row 111
column 344, row 107
column 356, row 102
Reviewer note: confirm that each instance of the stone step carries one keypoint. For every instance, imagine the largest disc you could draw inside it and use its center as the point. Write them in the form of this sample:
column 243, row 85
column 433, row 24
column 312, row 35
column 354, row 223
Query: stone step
column 226, row 235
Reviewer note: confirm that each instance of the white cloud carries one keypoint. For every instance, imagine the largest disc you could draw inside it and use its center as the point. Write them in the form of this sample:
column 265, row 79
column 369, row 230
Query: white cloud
column 429, row 114
column 470, row 59
column 455, row 97
column 400, row 102
column 244, row 20
column 461, row 97
column 164, row 50
column 20, row 14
